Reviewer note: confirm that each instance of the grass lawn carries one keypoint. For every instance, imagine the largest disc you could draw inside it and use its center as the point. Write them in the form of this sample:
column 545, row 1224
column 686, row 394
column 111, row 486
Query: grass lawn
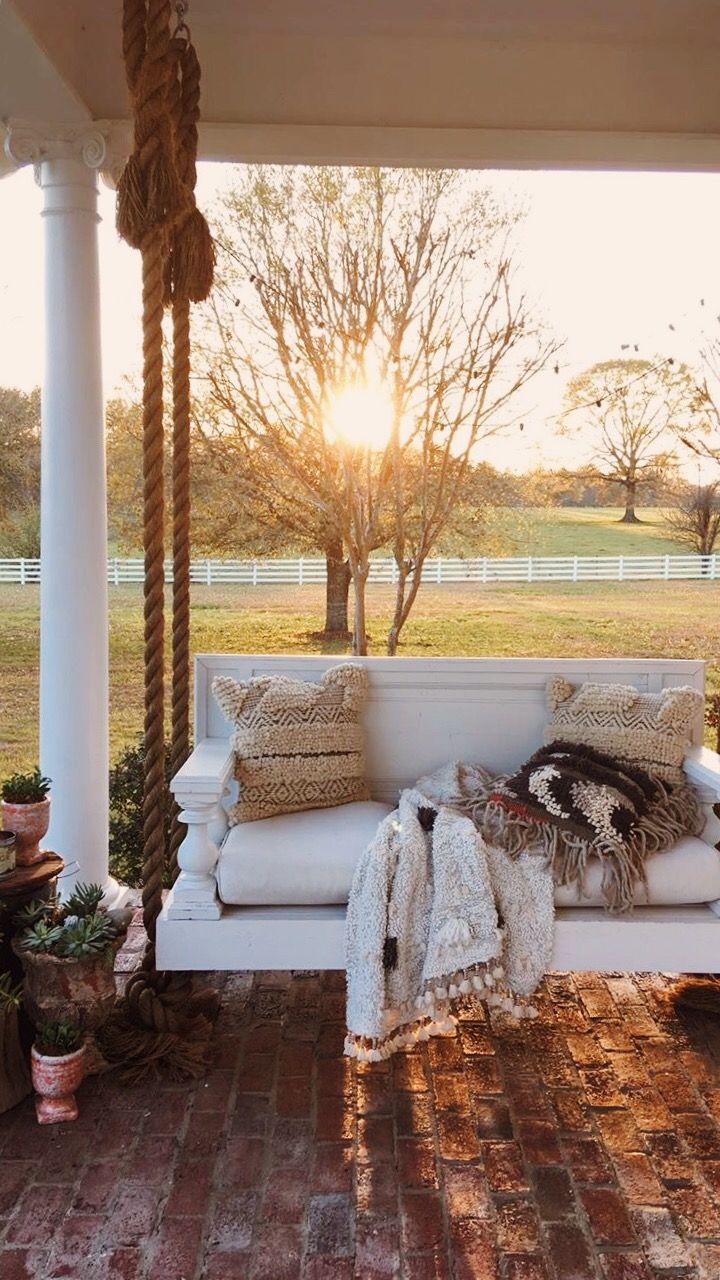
column 640, row 619
column 597, row 531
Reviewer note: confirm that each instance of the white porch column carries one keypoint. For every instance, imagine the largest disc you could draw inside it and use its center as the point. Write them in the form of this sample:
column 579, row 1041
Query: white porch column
column 73, row 593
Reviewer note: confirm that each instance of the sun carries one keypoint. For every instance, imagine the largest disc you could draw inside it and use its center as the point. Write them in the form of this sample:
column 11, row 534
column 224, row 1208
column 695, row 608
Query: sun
column 360, row 414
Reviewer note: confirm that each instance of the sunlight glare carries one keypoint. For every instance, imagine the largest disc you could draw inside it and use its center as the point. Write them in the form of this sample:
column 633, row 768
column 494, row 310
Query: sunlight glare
column 361, row 413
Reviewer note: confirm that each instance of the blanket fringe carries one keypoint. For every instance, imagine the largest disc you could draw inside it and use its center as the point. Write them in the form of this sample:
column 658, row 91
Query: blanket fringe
column 429, row 1013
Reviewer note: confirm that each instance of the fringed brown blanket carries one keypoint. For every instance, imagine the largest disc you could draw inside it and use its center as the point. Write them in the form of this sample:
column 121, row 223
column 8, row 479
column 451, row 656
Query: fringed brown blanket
column 571, row 802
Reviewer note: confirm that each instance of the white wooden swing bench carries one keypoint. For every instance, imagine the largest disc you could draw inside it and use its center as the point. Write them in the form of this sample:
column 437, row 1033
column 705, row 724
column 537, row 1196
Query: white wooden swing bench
column 422, row 713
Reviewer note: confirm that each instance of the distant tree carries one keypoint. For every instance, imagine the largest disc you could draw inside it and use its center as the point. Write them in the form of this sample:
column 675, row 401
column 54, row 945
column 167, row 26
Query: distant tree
column 323, row 273
column 694, row 517
column 19, row 472
column 633, row 415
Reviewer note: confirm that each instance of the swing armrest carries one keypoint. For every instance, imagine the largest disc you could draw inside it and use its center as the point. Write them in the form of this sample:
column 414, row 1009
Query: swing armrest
column 702, row 767
column 198, row 788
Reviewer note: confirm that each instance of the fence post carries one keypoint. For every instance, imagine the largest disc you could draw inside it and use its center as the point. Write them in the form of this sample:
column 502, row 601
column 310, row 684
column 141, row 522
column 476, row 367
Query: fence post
column 484, row 569
column 254, row 573
column 439, row 577
column 22, row 571
column 530, row 569
column 713, row 566
column 666, row 574
column 621, row 568
column 300, row 572
column 575, row 569
column 208, row 573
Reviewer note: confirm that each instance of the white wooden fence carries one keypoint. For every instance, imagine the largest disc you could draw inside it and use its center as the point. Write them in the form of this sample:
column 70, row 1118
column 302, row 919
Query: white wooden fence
column 482, row 569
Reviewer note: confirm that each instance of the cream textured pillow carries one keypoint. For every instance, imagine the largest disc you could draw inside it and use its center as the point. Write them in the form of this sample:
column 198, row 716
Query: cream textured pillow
column 653, row 730
column 297, row 745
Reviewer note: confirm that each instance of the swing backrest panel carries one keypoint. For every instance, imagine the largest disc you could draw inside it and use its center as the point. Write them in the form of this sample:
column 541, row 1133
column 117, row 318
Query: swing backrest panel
column 423, row 712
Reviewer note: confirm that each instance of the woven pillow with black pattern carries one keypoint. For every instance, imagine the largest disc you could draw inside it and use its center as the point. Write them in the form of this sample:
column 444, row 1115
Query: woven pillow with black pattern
column 570, row 802
column 298, row 745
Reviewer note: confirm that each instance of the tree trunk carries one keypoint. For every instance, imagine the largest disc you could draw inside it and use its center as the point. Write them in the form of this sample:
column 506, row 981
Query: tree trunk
column 359, row 640
column 336, row 592
column 630, row 497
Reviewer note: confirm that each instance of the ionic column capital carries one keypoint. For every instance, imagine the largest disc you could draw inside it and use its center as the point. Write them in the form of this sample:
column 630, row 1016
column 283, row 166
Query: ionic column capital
column 102, row 145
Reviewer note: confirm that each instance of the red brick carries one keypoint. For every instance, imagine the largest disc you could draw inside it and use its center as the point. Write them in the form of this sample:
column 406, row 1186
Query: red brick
column 571, row 1110
column 425, row 1266
column 332, row 1167
column 625, row 1266
column 319, row 1268
column 553, row 1192
column 23, row 1264
column 38, row 1216
column 416, row 1162
column 231, row 1226
column 619, row 1131
column 586, row 1160
column 374, row 1095
column 483, row 1075
column 285, row 1196
column 377, row 1190
column 607, row 1215
column 14, row 1177
column 335, row 1121
column 295, row 1059
column 227, row 1264
column 408, row 1072
column 276, row 1254
column 473, row 1249
column 242, row 1161
column 492, row 1118
column 176, row 1248
column 517, row 1227
column 377, row 1249
column 291, row 1142
column 445, row 1053
column 293, row 1096
column 329, row 1226
column 334, row 1077
column 539, row 1142
column 504, row 1166
column 527, row 1266
column 466, row 1191
column 257, row 1074
column 413, row 1114
column 695, row 1212
column 569, row 1251
column 375, row 1139
column 451, row 1092
column 476, row 1038
column 422, row 1220
column 457, row 1137
column 638, row 1180
column 664, row 1247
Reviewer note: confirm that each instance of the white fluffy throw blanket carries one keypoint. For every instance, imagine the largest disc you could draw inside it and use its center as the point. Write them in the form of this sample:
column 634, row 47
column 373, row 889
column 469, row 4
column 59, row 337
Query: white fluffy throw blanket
column 435, row 913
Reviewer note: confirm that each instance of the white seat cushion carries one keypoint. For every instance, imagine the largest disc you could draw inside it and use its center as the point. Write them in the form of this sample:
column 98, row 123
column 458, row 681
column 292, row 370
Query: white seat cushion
column 689, row 872
column 297, row 859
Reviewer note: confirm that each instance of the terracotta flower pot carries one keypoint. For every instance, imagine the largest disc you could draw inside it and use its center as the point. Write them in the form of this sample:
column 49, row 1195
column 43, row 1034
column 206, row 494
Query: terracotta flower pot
column 30, row 823
column 8, row 851
column 55, row 1080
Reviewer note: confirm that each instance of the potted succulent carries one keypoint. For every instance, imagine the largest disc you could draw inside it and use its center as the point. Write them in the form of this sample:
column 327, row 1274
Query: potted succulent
column 58, row 1066
column 26, row 811
column 14, row 1075
column 68, row 953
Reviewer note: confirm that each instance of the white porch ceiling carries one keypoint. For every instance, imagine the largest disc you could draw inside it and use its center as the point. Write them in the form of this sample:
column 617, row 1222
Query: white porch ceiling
column 635, row 80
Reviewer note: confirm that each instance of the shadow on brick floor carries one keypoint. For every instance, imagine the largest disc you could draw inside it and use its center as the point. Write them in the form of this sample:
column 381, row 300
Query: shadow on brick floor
column 584, row 1146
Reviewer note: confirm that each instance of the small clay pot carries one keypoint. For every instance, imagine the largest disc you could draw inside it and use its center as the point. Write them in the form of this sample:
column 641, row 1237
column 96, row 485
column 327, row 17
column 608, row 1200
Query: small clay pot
column 30, row 823
column 8, row 846
column 55, row 1079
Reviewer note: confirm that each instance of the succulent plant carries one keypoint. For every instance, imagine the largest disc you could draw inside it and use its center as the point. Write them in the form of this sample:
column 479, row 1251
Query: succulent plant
column 86, row 936
column 26, row 788
column 10, row 996
column 57, row 1039
column 84, row 900
column 31, row 913
column 43, row 936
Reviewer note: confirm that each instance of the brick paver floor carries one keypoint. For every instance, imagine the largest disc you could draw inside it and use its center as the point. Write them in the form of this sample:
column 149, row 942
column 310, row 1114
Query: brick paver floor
column 584, row 1145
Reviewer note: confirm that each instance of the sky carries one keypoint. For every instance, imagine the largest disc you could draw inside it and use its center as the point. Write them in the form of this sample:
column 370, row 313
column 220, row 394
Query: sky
column 609, row 259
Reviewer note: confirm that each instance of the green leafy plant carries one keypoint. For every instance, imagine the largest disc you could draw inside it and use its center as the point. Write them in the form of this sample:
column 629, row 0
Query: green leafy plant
column 57, row 1039
column 43, row 936
column 75, row 929
column 31, row 914
column 84, row 900
column 26, row 788
column 126, row 815
column 10, row 996
column 85, row 937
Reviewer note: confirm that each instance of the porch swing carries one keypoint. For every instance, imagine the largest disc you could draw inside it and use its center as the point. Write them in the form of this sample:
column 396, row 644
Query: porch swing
column 421, row 711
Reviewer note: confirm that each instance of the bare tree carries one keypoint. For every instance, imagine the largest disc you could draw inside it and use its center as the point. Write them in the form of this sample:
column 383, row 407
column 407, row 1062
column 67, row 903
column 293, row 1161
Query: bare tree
column 634, row 412
column 336, row 279
column 694, row 517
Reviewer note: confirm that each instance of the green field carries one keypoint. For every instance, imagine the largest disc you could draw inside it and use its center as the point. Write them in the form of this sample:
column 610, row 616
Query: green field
column 640, row 619
column 597, row 531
